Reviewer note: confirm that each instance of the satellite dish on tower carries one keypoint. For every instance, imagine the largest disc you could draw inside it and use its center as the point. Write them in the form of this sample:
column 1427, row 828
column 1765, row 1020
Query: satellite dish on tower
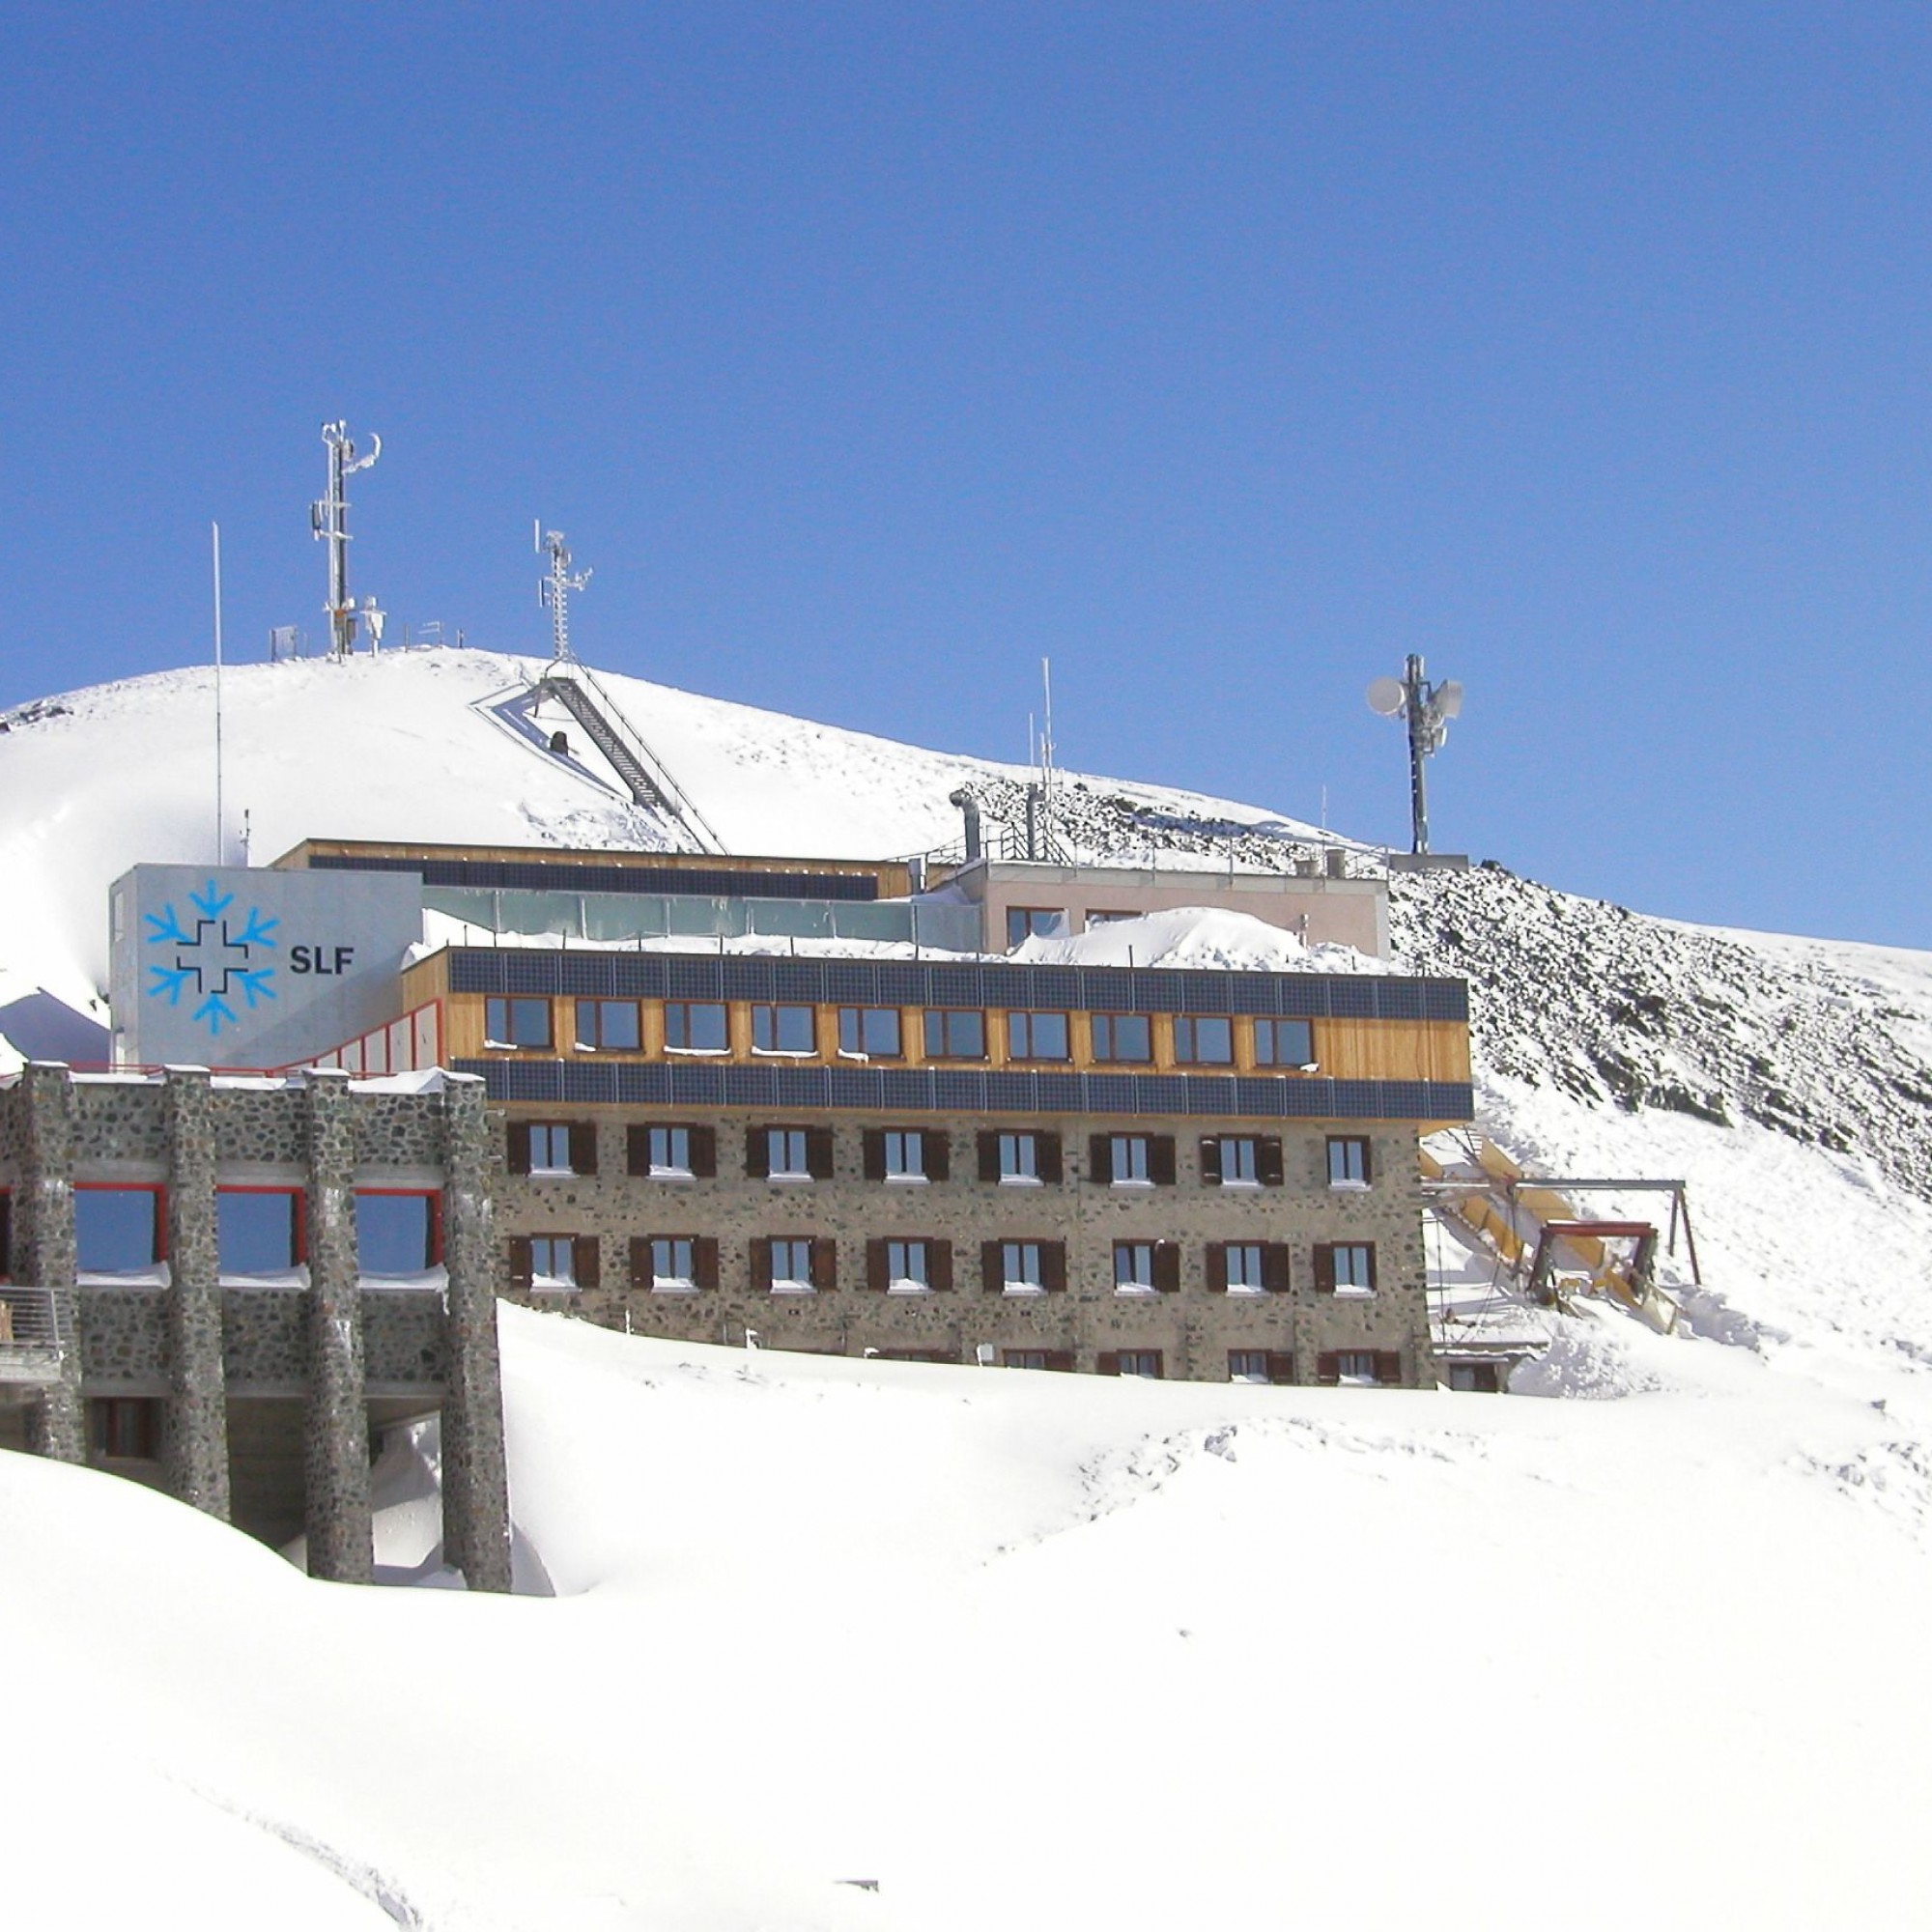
column 1387, row 697
column 1448, row 698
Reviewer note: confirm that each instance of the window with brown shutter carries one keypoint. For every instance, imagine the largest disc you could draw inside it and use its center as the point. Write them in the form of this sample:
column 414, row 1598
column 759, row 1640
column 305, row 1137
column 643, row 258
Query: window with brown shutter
column 1280, row 1367
column 1328, row 1366
column 1274, row 1268
column 1324, row 1268
column 1268, row 1162
column 1107, row 1362
column 518, row 1147
column 875, row 1266
column 1217, row 1268
column 1388, row 1367
column 993, row 1268
column 989, row 1155
column 818, row 1152
column 1053, row 1266
column 1167, row 1265
column 637, row 1152
column 583, row 1147
column 938, row 1155
column 1211, row 1161
column 585, row 1259
column 761, row 1266
column 1160, row 1159
column 704, row 1260
column 824, row 1261
column 521, row 1268
column 703, row 1152
column 1101, row 1159
column 1047, row 1149
column 939, row 1266
column 874, row 1143
column 642, row 1273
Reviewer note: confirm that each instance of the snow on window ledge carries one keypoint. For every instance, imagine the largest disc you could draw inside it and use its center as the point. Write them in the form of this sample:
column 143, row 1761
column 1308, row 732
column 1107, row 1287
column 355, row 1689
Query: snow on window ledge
column 1022, row 1287
column 1348, row 1187
column 1021, row 1180
column 1249, row 1186
column 906, row 1180
column 1345, row 1292
column 157, row 1276
column 700, row 1052
column 1135, row 1288
column 908, row 1287
column 552, row 1174
column 550, row 1283
column 1131, row 1182
column 673, row 1287
column 671, row 1174
column 1247, row 1288
column 789, row 1177
column 793, row 1288
column 776, row 1052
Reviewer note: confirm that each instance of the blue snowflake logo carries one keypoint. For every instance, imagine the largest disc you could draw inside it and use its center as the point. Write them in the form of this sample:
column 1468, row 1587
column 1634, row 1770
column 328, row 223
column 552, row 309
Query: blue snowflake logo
column 211, row 958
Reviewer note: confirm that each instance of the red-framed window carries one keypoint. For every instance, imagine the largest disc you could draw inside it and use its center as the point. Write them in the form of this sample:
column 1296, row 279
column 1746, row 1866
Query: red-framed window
column 398, row 1229
column 260, row 1229
column 120, row 1227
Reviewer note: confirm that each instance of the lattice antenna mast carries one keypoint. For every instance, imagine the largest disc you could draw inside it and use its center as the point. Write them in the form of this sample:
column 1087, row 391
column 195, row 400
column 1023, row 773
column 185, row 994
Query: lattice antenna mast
column 556, row 588
column 328, row 519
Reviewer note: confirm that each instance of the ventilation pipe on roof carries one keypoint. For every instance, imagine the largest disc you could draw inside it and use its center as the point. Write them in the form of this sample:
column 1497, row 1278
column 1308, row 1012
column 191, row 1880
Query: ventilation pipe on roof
column 969, row 806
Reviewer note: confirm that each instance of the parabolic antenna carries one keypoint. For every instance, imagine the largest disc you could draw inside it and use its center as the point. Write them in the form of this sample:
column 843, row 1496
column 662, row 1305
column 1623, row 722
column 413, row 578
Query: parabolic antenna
column 1387, row 696
column 1449, row 698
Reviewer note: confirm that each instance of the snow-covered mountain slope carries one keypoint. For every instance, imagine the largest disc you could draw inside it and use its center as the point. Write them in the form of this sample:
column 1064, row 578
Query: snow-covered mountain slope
column 424, row 744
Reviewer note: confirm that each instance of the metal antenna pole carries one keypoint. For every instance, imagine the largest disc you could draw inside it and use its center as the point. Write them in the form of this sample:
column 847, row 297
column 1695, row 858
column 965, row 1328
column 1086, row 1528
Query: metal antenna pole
column 556, row 588
column 1415, row 704
column 328, row 519
column 221, row 821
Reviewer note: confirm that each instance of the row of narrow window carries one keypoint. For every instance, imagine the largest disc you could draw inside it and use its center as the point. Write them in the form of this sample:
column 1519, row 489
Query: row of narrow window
column 123, row 1229
column 879, row 1033
column 1023, row 1155
column 913, row 1264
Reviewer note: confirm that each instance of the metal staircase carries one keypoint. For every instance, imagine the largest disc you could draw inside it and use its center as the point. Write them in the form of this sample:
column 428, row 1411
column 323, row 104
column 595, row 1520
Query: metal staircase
column 576, row 687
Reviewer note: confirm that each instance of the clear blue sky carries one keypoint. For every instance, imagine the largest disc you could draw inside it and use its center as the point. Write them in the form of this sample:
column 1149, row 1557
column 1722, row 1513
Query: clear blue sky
column 1224, row 354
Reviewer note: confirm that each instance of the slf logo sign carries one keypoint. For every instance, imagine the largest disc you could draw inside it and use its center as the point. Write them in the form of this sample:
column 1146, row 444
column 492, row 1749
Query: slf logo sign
column 211, row 958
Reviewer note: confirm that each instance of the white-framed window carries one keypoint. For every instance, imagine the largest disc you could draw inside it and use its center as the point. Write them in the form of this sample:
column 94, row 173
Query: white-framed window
column 1347, row 1160
column 905, row 1154
column 1356, row 1365
column 1240, row 1162
column 783, row 1029
column 674, row 1262
column 1354, row 1265
column 670, row 1151
column 1243, row 1260
column 792, row 1268
column 553, row 1260
column 1020, row 1267
column 908, row 1268
column 870, row 1032
column 1133, row 1267
column 785, row 1156
column 1019, row 1157
column 1130, row 1161
column 550, row 1147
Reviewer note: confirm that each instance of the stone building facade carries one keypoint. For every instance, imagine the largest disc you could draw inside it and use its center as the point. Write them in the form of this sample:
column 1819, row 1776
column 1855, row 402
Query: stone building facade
column 1198, row 1175
column 365, row 1295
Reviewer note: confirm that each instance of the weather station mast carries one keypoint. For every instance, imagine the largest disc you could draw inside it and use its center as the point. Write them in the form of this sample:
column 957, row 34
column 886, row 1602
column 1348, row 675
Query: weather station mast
column 556, row 586
column 1426, row 709
column 328, row 519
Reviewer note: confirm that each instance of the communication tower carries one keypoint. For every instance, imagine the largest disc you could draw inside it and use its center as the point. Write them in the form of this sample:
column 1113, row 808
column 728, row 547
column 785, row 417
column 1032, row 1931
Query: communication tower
column 329, row 518
column 1426, row 709
column 555, row 588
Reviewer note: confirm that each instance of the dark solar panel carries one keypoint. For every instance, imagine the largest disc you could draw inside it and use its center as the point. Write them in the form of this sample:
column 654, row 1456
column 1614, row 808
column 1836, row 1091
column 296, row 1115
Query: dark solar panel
column 538, row 875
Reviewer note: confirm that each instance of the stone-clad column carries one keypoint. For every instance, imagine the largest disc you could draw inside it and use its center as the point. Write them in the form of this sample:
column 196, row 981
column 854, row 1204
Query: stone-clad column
column 44, row 1246
column 341, row 1538
column 194, row 1434
column 475, row 1482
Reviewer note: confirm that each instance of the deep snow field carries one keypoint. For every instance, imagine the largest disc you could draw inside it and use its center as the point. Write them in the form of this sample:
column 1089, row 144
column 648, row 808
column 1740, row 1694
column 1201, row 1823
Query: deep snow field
column 1039, row 1651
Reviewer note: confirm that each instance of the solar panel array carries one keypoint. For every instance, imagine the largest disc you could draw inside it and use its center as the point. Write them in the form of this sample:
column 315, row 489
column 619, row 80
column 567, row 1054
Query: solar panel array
column 927, row 1090
column 911, row 983
column 535, row 875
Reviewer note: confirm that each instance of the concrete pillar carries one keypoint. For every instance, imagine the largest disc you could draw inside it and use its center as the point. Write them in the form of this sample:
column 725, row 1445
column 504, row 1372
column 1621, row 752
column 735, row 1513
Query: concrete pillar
column 44, row 1247
column 341, row 1539
column 194, row 1431
column 475, row 1480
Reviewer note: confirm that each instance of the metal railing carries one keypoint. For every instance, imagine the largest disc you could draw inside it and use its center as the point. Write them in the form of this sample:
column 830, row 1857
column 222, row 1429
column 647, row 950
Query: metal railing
column 36, row 1331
